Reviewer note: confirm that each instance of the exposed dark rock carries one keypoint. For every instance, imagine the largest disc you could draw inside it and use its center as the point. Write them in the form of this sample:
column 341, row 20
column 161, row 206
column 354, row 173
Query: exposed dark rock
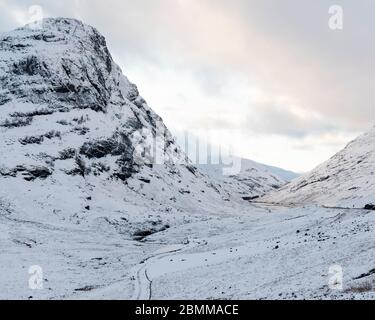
column 101, row 148
column 140, row 235
column 52, row 134
column 33, row 172
column 145, row 180
column 31, row 66
column 305, row 183
column 81, row 166
column 369, row 206
column 63, row 122
column 40, row 112
column 250, row 198
column 183, row 191
column 365, row 275
column 98, row 167
column 31, row 140
column 192, row 169
column 86, row 288
column 39, row 139
column 4, row 99
column 125, row 171
column 68, row 153
column 81, row 130
column 16, row 122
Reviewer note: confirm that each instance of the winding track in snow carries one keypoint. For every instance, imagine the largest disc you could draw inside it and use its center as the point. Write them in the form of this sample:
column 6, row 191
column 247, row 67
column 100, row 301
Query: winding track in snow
column 143, row 285
column 159, row 264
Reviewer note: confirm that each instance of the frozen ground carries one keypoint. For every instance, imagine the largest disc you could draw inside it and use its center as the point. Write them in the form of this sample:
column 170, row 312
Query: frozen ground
column 257, row 253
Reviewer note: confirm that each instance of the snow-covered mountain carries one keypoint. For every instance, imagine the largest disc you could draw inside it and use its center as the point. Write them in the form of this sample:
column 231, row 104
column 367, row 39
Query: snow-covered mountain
column 79, row 143
column 280, row 173
column 253, row 179
column 345, row 180
column 98, row 201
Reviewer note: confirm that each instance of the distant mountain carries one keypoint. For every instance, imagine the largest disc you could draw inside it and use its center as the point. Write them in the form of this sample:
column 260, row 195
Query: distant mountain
column 345, row 180
column 252, row 179
column 282, row 173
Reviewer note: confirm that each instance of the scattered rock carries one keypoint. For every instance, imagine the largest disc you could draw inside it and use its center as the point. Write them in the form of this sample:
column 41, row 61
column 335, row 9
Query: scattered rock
column 369, row 206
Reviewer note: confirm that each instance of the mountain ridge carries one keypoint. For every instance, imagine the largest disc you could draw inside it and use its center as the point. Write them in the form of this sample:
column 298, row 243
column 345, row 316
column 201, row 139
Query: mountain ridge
column 97, row 200
column 74, row 127
column 345, row 180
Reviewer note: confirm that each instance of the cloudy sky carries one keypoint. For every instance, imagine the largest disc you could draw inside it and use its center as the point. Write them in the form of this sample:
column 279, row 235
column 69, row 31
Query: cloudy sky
column 268, row 77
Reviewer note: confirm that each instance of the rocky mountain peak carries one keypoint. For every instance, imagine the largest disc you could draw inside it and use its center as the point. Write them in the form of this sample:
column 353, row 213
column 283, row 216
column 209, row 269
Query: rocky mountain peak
column 66, row 62
column 72, row 126
column 59, row 84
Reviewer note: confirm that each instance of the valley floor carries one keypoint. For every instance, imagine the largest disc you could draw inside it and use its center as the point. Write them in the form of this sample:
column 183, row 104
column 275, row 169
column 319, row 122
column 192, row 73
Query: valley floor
column 264, row 252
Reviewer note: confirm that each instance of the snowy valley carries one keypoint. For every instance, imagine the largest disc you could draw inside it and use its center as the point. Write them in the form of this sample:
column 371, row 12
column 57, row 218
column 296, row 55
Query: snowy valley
column 96, row 192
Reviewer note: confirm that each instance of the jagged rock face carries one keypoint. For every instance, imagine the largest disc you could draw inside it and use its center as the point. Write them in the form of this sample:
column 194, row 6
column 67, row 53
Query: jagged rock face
column 79, row 144
column 345, row 180
column 60, row 89
column 66, row 63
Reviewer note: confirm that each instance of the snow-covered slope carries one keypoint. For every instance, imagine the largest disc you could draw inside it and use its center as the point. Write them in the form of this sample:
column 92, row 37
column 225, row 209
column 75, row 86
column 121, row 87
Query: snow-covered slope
column 252, row 180
column 84, row 198
column 345, row 180
column 79, row 144
column 77, row 140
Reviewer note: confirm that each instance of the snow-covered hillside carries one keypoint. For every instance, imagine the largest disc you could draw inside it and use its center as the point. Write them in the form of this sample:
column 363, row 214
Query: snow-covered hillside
column 76, row 139
column 80, row 145
column 252, row 180
column 95, row 193
column 345, row 180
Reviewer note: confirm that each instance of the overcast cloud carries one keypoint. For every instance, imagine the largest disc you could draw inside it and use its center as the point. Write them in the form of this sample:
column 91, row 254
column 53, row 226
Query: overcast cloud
column 268, row 75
